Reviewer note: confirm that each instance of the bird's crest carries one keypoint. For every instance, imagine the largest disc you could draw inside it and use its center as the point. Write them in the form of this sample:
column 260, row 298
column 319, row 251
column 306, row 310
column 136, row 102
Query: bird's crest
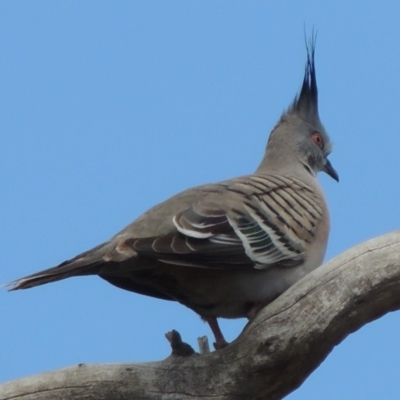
column 306, row 102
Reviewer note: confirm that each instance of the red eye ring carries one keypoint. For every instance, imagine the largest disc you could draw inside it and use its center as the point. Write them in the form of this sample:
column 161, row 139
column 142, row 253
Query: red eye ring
column 317, row 139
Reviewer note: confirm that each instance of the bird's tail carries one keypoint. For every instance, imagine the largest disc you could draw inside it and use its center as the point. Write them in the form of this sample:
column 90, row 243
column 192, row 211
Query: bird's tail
column 87, row 263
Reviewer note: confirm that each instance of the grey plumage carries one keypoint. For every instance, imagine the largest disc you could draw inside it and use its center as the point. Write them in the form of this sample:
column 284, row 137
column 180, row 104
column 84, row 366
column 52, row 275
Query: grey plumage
column 227, row 249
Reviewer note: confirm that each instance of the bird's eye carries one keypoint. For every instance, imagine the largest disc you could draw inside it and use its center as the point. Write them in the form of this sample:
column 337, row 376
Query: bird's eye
column 317, row 139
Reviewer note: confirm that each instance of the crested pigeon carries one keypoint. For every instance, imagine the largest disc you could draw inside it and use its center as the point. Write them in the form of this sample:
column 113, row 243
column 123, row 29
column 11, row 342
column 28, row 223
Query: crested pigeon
column 225, row 250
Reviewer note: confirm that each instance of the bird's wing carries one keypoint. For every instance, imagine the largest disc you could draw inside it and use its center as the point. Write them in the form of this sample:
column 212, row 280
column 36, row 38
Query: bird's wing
column 255, row 221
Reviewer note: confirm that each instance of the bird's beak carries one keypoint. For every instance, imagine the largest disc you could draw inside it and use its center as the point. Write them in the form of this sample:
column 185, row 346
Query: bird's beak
column 331, row 171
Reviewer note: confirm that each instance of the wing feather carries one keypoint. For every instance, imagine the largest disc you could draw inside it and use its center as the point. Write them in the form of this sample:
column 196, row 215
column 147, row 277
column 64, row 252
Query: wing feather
column 256, row 221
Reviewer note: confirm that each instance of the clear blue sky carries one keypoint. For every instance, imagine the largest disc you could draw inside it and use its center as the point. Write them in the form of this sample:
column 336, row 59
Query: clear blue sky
column 108, row 108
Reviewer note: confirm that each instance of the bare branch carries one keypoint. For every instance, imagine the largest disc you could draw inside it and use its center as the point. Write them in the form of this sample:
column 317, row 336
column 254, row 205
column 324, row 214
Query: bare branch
column 271, row 358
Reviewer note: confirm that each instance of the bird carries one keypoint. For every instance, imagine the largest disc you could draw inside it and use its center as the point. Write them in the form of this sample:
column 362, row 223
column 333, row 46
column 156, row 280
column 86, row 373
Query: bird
column 227, row 249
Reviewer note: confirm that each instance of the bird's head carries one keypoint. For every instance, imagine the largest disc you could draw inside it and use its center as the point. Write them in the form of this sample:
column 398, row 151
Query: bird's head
column 299, row 133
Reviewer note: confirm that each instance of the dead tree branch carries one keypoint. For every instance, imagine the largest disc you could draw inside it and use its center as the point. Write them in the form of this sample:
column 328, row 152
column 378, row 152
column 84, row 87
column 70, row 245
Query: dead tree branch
column 271, row 358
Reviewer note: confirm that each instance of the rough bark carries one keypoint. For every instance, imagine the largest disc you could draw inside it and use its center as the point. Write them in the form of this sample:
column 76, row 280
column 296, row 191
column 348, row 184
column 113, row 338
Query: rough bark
column 272, row 357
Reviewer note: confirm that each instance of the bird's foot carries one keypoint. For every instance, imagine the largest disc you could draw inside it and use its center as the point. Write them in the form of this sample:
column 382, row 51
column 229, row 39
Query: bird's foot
column 220, row 341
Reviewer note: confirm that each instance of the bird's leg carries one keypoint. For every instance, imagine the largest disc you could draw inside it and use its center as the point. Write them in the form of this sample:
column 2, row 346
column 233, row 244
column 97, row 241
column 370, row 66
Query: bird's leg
column 256, row 307
column 220, row 341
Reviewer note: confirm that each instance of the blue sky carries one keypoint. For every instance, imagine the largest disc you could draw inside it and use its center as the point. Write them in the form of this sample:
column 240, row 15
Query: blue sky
column 108, row 108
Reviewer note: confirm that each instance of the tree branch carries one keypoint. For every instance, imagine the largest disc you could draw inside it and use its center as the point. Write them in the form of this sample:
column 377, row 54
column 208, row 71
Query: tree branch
column 272, row 357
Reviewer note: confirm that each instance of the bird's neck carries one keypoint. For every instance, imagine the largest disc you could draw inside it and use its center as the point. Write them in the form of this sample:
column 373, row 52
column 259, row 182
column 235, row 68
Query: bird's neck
column 284, row 164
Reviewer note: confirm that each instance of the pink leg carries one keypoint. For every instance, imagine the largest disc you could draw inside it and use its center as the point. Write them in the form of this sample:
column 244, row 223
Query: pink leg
column 220, row 341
